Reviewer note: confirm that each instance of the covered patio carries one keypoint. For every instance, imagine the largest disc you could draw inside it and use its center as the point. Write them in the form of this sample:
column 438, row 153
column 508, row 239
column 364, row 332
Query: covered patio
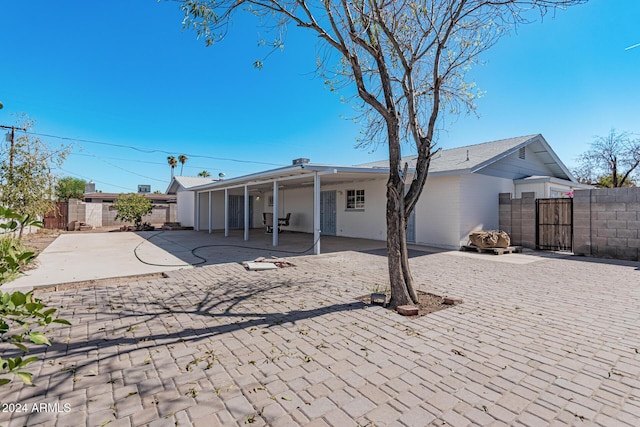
column 312, row 197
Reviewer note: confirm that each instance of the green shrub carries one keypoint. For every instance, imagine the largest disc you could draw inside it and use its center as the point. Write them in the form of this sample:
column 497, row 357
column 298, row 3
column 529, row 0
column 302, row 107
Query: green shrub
column 20, row 315
column 132, row 207
column 13, row 258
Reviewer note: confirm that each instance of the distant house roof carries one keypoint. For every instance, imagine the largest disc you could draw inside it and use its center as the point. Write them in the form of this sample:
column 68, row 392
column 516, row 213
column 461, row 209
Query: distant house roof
column 186, row 182
column 473, row 158
column 110, row 197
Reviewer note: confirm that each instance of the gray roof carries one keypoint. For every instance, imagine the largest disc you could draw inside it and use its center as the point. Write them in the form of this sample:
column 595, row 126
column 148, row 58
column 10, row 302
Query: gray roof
column 187, row 182
column 467, row 157
column 472, row 158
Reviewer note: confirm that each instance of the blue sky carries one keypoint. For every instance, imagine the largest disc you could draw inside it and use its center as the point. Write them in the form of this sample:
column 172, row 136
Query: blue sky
column 123, row 72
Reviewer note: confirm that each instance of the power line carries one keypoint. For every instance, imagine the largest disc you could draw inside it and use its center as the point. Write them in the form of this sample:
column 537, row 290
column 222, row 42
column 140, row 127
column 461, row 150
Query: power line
column 138, row 161
column 94, row 180
column 153, row 151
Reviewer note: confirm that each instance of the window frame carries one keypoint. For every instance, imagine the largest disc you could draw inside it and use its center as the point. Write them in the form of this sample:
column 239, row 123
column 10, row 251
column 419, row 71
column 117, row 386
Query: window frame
column 358, row 200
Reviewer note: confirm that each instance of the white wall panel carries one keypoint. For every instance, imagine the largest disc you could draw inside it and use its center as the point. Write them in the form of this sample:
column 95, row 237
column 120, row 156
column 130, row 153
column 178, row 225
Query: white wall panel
column 479, row 203
column 438, row 213
column 185, row 201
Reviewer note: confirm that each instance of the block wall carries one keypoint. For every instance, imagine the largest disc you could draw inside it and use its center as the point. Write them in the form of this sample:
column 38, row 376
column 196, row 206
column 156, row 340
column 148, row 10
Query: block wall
column 518, row 218
column 606, row 223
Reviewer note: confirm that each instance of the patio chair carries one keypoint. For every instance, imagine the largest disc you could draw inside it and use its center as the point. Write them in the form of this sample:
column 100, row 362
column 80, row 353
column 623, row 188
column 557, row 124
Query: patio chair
column 284, row 222
column 267, row 220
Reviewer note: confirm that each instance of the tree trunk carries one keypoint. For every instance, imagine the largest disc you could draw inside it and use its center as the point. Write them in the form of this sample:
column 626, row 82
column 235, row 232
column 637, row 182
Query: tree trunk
column 402, row 292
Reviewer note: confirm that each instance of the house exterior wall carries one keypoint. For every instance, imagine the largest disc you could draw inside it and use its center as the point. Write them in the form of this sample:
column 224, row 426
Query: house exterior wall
column 185, row 201
column 438, row 213
column 367, row 223
column 542, row 190
column 538, row 188
column 217, row 210
column 479, row 203
column 513, row 167
column 297, row 201
column 203, row 218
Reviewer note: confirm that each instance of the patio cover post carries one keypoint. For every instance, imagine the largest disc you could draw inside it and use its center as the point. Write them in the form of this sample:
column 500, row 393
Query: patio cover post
column 316, row 214
column 226, row 213
column 197, row 224
column 246, row 212
column 210, row 215
column 274, row 223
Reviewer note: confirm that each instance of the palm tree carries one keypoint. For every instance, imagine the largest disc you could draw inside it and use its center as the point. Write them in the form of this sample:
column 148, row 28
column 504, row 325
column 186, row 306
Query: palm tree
column 173, row 163
column 204, row 174
column 182, row 159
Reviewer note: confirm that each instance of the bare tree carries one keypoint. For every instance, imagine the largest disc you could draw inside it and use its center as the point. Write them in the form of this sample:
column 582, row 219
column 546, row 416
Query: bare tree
column 26, row 181
column 408, row 61
column 611, row 161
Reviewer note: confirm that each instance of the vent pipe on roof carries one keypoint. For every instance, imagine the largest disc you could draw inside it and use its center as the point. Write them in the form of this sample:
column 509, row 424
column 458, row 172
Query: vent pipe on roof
column 467, row 155
column 221, row 175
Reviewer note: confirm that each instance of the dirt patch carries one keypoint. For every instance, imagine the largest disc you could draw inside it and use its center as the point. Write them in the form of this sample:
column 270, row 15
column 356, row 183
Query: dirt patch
column 38, row 241
column 427, row 303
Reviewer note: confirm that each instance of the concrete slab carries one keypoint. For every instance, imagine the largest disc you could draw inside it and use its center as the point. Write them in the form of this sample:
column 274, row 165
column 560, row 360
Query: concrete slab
column 92, row 256
column 258, row 266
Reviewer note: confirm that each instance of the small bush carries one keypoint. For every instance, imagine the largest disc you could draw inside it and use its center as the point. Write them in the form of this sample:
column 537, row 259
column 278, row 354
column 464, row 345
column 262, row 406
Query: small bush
column 13, row 258
column 20, row 315
column 132, row 207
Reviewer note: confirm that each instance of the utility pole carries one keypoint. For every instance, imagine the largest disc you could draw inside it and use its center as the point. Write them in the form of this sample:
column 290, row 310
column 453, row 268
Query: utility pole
column 13, row 140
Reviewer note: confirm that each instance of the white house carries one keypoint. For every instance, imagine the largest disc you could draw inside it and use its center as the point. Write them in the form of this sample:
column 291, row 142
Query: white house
column 461, row 194
column 185, row 199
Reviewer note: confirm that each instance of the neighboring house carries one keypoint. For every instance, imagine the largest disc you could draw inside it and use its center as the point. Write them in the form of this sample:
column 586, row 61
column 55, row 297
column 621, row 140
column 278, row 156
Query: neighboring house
column 460, row 196
column 179, row 189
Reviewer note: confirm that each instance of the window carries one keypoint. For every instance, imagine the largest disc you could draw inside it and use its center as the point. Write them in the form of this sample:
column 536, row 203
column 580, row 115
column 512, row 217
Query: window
column 270, row 201
column 355, row 199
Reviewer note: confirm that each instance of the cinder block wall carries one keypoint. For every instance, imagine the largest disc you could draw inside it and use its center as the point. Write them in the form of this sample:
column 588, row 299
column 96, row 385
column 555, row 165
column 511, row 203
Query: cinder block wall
column 159, row 215
column 518, row 218
column 606, row 223
column 76, row 211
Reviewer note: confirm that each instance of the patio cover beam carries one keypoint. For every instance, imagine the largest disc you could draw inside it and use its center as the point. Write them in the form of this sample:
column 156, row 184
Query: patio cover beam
column 266, row 181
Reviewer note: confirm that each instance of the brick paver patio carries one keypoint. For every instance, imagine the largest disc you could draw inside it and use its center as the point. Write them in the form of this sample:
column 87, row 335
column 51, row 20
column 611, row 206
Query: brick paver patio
column 545, row 341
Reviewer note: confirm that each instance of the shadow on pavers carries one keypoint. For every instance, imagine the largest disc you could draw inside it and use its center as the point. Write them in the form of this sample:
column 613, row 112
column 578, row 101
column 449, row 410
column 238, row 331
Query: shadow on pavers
column 223, row 307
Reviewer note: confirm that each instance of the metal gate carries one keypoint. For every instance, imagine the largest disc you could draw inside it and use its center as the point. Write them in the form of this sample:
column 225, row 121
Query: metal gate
column 236, row 212
column 554, row 224
column 328, row 212
column 58, row 218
